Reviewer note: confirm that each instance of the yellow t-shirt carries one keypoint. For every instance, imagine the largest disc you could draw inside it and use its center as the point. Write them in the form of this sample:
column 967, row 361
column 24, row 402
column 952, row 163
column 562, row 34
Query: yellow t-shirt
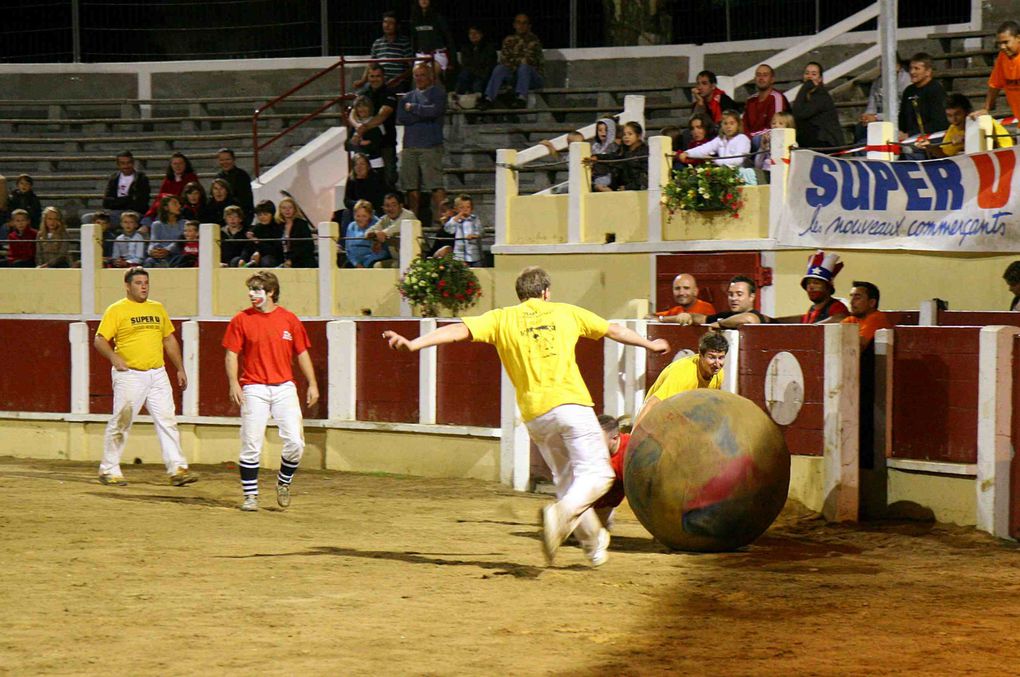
column 681, row 376
column 535, row 341
column 953, row 141
column 137, row 330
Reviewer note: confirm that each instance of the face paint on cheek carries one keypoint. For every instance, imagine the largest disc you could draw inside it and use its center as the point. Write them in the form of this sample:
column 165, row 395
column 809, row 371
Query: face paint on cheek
column 257, row 296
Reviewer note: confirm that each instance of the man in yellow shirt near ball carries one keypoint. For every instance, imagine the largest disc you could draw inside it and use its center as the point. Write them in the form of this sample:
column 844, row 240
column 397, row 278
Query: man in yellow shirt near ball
column 704, row 370
column 535, row 341
column 140, row 330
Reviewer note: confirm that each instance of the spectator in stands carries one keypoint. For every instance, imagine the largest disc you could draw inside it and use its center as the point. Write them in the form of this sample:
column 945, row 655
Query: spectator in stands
column 23, row 197
column 265, row 238
column 763, row 159
column 193, row 201
column 603, row 144
column 864, row 312
column 367, row 143
column 298, row 238
column 708, row 99
column 233, row 239
column 102, row 221
column 384, row 103
column 923, row 106
column 685, row 293
column 5, row 209
column 421, row 160
column 220, row 198
column 20, row 241
column 391, row 45
column 759, row 109
column 362, row 184
column 363, row 252
column 629, row 164
column 731, row 148
column 467, row 232
column 167, row 231
column 179, row 173
column 740, row 296
column 188, row 258
column 52, row 249
column 442, row 243
column 819, row 284
column 129, row 247
column 700, row 130
column 1006, row 71
column 386, row 230
column 520, row 59
column 431, row 36
column 958, row 107
column 126, row 189
column 873, row 111
column 237, row 179
column 477, row 59
column 1012, row 278
column 815, row 112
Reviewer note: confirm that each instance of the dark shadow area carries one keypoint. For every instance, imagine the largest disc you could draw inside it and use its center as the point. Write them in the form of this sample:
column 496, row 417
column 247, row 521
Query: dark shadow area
column 182, row 500
column 503, row 522
column 58, row 477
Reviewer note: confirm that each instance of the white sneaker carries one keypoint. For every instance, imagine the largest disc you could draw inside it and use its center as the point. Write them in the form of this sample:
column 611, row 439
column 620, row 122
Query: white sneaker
column 599, row 555
column 251, row 503
column 552, row 532
column 283, row 495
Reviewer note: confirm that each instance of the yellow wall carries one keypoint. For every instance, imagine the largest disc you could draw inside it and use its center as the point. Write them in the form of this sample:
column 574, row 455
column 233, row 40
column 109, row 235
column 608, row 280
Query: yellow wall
column 33, row 290
column 538, row 219
column 607, row 284
column 953, row 499
column 807, row 481
column 752, row 223
column 967, row 281
column 299, row 290
column 175, row 288
column 413, row 454
column 373, row 290
column 623, row 214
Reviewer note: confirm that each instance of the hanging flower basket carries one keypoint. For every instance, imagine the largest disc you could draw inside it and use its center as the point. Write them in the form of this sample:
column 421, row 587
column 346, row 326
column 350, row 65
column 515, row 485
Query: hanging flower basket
column 432, row 284
column 704, row 188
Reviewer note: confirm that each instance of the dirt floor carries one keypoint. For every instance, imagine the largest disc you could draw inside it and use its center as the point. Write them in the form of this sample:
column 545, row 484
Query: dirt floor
column 382, row 575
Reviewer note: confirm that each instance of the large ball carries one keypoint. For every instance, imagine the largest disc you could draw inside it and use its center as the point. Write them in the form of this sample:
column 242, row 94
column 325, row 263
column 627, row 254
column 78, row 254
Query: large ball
column 706, row 471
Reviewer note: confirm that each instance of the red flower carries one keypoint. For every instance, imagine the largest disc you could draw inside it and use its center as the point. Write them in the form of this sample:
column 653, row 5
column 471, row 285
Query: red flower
column 460, row 297
column 729, row 196
column 442, row 283
column 446, row 293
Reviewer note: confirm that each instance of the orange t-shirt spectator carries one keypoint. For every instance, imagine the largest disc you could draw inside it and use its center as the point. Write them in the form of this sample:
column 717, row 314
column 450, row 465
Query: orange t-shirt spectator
column 864, row 312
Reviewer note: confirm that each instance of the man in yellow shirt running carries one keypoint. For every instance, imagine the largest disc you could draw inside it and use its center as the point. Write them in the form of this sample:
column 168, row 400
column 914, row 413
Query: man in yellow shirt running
column 140, row 329
column 704, row 370
column 535, row 341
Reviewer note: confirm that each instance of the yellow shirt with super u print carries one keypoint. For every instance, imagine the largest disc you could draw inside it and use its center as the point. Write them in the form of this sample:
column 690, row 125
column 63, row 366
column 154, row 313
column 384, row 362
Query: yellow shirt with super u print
column 137, row 330
column 535, row 341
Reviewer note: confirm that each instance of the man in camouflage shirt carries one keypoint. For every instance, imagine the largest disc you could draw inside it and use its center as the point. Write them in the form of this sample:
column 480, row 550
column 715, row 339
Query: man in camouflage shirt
column 521, row 57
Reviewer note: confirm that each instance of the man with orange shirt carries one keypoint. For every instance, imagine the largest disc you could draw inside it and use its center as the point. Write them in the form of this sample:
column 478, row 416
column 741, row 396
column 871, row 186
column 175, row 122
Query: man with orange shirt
column 269, row 336
column 685, row 292
column 864, row 312
column 1006, row 72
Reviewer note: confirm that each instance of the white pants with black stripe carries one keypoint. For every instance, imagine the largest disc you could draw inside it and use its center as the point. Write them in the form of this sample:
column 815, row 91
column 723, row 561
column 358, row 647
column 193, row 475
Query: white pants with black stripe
column 570, row 440
column 132, row 389
column 260, row 403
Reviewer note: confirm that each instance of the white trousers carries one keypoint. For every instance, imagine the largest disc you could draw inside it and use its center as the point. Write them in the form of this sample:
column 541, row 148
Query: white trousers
column 280, row 402
column 132, row 389
column 571, row 442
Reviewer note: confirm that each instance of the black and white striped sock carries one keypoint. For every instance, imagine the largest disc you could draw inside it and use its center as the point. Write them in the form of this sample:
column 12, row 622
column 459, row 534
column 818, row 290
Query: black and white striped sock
column 249, row 478
column 286, row 473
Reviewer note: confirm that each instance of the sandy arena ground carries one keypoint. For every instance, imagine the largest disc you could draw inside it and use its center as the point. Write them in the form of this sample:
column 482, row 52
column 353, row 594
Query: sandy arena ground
column 370, row 575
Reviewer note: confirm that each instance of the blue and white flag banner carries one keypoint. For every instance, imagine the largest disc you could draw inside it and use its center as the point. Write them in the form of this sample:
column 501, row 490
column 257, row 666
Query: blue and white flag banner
column 966, row 203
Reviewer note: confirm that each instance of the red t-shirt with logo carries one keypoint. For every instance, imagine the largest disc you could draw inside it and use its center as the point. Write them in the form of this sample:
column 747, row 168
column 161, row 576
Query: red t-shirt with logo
column 615, row 495
column 268, row 343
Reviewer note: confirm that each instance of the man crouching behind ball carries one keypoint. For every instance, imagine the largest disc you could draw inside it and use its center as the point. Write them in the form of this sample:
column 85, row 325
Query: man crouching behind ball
column 269, row 336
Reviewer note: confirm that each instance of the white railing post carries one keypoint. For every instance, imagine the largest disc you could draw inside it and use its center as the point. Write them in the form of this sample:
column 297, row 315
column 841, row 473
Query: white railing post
column 614, row 376
column 189, row 350
column 660, row 165
column 882, row 133
column 731, row 367
column 410, row 249
column 208, row 261
column 91, row 261
column 427, row 376
column 994, row 438
column 634, row 386
column 633, row 111
column 514, row 442
column 81, row 344
column 928, row 313
column 327, row 232
column 506, row 191
column 579, row 183
column 780, row 142
column 977, row 136
column 342, row 340
column 841, row 479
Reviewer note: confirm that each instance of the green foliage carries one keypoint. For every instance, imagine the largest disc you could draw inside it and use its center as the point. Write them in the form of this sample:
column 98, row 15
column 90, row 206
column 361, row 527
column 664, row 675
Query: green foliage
column 706, row 187
column 430, row 284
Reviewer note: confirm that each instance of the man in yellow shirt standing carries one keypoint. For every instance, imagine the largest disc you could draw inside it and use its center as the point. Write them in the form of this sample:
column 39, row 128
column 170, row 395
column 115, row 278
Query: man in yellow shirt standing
column 140, row 330
column 535, row 341
column 704, row 370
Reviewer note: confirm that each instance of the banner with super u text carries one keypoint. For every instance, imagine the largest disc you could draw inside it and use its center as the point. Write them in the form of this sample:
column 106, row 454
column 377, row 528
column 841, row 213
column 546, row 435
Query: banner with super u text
column 966, row 203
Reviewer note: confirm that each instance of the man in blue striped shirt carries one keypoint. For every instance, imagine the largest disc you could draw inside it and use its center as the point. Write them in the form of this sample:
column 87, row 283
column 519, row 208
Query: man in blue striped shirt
column 391, row 45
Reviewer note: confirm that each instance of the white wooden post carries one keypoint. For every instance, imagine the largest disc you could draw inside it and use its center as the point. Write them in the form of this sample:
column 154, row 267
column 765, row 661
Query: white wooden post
column 208, row 261
column 633, row 110
column 928, row 313
column 427, row 376
column 579, row 187
column 634, row 386
column 885, row 343
column 660, row 165
column 780, row 142
column 731, row 367
column 410, row 249
column 994, row 439
column 506, row 191
column 977, row 135
column 91, row 261
column 514, row 442
column 841, row 422
column 81, row 345
column 614, row 376
column 189, row 349
column 342, row 338
column 881, row 133
column 328, row 232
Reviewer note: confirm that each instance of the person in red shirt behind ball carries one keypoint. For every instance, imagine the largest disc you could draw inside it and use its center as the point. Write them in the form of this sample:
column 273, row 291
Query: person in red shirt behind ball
column 269, row 336
column 617, row 443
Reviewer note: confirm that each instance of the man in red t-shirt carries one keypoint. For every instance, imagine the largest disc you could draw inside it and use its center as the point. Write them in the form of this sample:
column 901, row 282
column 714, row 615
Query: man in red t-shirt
column 685, row 293
column 617, row 443
column 759, row 109
column 269, row 336
column 1006, row 72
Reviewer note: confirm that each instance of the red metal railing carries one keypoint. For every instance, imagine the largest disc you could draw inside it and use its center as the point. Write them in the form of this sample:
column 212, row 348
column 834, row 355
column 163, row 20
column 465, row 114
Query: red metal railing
column 344, row 95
